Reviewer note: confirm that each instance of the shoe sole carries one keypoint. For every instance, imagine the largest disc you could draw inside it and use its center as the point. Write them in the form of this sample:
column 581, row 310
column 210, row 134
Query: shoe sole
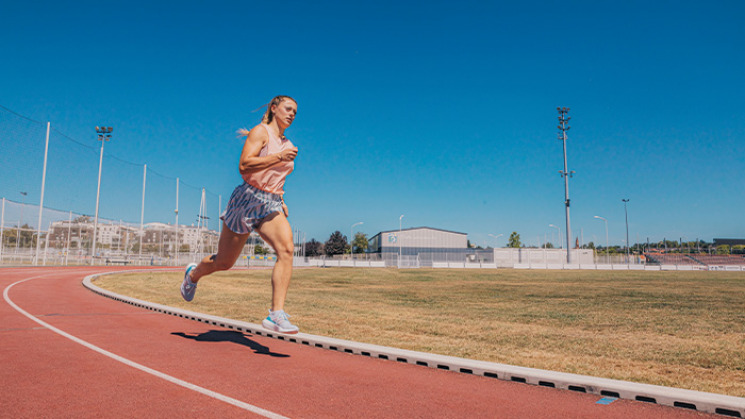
column 274, row 328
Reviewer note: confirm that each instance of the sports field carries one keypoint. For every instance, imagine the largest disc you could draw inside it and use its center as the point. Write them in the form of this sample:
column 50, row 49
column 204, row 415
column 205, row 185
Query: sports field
column 678, row 329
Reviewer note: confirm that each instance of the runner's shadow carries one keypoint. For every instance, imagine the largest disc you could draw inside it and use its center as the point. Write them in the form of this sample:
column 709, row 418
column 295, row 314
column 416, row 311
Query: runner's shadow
column 231, row 336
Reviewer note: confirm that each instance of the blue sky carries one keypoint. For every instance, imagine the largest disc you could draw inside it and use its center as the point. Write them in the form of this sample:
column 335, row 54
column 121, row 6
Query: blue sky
column 442, row 111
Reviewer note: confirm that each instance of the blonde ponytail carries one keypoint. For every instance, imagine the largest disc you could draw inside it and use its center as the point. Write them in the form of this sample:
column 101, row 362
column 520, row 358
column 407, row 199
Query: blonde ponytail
column 268, row 115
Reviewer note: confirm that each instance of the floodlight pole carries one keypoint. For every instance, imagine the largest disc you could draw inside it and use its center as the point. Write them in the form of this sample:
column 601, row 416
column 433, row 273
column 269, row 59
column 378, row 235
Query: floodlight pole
column 566, row 174
column 176, row 211
column 41, row 202
column 104, row 134
column 142, row 210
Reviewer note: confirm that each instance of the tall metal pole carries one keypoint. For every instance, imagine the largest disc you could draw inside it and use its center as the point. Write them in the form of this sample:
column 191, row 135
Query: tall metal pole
column 142, row 211
column 176, row 211
column 104, row 134
column 563, row 128
column 41, row 203
column 625, row 201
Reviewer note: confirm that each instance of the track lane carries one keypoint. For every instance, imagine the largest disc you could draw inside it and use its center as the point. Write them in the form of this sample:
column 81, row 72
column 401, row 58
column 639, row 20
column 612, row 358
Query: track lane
column 282, row 377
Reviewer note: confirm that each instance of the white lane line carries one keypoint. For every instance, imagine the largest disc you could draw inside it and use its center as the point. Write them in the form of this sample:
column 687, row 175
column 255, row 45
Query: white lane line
column 182, row 383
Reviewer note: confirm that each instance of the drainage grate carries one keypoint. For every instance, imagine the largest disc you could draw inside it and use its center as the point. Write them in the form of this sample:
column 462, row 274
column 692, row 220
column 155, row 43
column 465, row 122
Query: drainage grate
column 685, row 405
column 646, row 399
column 727, row 412
column 610, row 394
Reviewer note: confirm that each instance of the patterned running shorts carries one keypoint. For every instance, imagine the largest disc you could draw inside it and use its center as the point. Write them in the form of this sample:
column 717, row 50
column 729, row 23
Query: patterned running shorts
column 248, row 206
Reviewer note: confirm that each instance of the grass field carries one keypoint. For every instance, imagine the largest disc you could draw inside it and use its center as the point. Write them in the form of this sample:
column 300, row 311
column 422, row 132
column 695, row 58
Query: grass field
column 679, row 329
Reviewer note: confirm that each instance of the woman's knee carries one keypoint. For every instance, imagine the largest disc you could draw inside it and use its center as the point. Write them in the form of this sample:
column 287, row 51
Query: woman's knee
column 285, row 251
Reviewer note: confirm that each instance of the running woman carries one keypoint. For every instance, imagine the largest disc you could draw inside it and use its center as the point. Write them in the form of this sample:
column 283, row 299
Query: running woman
column 258, row 204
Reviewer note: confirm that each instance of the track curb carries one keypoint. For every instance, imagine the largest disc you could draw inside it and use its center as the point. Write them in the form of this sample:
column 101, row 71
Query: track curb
column 668, row 396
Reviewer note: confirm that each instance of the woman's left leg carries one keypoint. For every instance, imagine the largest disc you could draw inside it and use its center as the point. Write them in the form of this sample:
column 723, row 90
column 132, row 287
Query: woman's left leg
column 276, row 231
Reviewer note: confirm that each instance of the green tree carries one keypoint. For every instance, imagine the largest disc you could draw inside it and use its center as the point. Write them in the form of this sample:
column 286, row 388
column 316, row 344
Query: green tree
column 313, row 248
column 360, row 242
column 722, row 249
column 260, row 250
column 336, row 244
column 514, row 240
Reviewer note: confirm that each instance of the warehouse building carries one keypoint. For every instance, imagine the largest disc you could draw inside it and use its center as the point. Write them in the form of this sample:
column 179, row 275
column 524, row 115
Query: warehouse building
column 420, row 246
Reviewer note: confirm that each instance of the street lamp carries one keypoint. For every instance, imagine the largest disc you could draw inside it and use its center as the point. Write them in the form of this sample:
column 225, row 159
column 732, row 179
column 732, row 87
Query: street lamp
column 625, row 201
column 607, row 255
column 351, row 242
column 398, row 239
column 104, row 134
column 561, row 246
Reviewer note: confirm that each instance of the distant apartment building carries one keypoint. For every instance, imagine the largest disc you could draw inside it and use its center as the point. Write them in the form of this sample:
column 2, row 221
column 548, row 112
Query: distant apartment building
column 159, row 237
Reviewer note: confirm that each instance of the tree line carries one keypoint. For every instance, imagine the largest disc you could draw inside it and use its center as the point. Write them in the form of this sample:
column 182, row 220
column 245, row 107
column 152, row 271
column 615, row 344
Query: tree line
column 337, row 244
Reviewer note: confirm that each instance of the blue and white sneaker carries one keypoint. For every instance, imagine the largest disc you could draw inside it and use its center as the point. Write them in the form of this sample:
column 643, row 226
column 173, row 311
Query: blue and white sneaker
column 188, row 288
column 278, row 321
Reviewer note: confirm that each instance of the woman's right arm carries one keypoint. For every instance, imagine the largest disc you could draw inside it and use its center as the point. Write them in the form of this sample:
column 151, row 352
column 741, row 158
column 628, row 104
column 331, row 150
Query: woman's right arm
column 250, row 160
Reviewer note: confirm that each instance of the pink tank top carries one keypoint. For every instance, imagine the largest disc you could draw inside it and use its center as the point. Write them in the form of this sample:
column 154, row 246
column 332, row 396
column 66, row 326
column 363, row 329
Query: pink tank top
column 272, row 179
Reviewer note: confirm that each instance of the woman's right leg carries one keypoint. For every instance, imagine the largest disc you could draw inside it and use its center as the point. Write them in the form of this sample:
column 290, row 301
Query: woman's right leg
column 228, row 249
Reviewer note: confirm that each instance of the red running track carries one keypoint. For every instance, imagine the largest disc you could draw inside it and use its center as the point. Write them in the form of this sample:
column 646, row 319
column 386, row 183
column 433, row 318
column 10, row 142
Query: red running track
column 109, row 359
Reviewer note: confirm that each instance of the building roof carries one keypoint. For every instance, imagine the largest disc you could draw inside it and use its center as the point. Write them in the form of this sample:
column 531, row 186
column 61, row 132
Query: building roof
column 730, row 242
column 420, row 228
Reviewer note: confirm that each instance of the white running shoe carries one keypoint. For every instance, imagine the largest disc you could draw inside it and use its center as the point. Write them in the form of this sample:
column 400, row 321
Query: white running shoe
column 278, row 322
column 188, row 288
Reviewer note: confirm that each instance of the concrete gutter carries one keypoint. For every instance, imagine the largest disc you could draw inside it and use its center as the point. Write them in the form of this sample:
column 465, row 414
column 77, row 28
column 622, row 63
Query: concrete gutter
column 687, row 399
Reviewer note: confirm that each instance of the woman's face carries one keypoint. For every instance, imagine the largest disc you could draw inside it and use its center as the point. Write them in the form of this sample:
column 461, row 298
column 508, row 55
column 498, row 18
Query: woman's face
column 285, row 112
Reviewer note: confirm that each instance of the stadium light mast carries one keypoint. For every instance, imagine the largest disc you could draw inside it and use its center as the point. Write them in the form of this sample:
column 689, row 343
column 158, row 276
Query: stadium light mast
column 104, row 134
column 566, row 174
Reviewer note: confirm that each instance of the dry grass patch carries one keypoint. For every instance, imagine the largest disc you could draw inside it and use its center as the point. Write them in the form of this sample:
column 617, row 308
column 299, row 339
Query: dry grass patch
column 680, row 329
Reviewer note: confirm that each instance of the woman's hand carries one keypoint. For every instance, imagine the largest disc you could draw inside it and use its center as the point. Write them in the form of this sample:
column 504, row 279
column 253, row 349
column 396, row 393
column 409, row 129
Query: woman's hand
column 288, row 154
